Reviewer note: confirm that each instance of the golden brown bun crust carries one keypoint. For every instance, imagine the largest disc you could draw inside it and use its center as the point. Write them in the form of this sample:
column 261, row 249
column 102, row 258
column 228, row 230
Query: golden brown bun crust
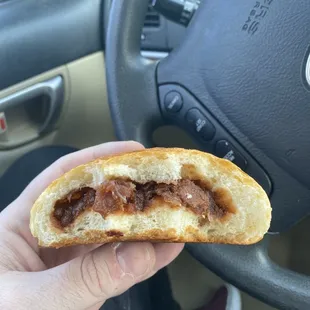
column 154, row 236
column 163, row 223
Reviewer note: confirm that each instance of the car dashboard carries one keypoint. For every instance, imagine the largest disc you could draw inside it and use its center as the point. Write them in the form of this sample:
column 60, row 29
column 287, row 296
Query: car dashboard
column 159, row 35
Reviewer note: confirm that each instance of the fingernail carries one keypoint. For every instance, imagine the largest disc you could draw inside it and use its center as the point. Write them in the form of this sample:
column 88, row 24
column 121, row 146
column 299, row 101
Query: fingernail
column 134, row 259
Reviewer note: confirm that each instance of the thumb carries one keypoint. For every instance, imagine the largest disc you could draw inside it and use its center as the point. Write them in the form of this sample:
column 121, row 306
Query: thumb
column 106, row 272
column 88, row 281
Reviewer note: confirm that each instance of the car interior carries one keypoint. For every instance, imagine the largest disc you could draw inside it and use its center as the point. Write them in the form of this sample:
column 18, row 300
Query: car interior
column 231, row 79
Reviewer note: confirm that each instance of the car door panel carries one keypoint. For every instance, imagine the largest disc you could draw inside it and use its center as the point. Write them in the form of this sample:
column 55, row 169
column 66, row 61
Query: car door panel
column 85, row 119
column 39, row 35
column 42, row 39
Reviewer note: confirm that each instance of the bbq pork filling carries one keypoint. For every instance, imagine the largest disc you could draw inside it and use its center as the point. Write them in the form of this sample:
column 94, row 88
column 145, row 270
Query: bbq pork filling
column 122, row 196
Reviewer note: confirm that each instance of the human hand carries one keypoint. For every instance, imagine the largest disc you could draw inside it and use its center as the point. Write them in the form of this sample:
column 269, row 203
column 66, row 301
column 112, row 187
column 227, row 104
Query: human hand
column 80, row 277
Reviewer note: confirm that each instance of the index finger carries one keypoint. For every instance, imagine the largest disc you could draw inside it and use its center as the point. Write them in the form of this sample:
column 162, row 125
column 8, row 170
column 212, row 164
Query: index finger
column 70, row 161
column 20, row 208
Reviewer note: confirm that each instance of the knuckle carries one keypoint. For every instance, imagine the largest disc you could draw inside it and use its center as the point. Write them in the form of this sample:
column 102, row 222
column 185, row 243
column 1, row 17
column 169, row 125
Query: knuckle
column 97, row 277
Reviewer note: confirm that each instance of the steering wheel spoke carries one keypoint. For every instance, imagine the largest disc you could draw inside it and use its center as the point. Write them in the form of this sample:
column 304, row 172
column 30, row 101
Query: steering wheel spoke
column 261, row 277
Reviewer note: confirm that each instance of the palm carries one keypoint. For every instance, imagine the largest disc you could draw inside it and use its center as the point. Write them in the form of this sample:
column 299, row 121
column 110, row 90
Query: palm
column 18, row 241
column 15, row 219
column 54, row 257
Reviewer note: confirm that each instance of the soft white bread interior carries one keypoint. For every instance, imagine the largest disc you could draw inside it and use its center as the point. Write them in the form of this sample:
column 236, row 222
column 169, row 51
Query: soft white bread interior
column 162, row 222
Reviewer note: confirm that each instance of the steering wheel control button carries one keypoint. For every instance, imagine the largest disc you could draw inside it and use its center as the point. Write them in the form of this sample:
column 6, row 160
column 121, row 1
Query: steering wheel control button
column 200, row 124
column 173, row 102
column 225, row 150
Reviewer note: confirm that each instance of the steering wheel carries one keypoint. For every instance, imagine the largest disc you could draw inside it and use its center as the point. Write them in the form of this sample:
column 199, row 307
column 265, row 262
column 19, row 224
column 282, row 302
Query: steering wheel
column 239, row 84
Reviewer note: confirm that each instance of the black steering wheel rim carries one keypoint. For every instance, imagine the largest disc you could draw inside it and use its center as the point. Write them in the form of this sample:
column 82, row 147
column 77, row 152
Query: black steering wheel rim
column 135, row 88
